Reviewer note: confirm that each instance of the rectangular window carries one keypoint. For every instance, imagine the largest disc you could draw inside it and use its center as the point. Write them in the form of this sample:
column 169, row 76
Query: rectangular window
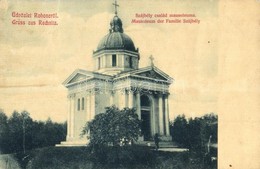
column 113, row 60
column 82, row 104
column 99, row 63
column 130, row 62
column 78, row 104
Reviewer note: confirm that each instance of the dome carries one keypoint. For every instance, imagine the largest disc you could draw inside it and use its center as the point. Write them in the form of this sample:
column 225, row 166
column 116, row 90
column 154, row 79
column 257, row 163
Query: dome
column 116, row 40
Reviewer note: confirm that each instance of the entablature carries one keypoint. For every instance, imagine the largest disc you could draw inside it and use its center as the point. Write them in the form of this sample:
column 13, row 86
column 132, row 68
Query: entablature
column 117, row 51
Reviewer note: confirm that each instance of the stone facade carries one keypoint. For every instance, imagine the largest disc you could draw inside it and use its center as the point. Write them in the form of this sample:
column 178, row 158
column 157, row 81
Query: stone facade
column 118, row 80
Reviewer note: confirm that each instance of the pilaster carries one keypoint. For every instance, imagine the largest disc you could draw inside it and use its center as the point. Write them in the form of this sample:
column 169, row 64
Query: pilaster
column 88, row 108
column 122, row 99
column 126, row 98
column 72, row 126
column 111, row 98
column 92, row 105
column 68, row 118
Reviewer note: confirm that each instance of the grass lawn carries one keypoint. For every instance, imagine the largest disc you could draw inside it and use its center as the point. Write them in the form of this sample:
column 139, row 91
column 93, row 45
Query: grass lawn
column 131, row 157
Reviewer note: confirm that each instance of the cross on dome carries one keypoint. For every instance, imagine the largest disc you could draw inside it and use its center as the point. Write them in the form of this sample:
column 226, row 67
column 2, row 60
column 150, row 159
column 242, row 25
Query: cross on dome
column 116, row 5
column 116, row 23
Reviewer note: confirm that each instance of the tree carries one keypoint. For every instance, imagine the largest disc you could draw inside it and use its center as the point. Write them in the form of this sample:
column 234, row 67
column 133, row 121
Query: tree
column 211, row 126
column 113, row 126
column 195, row 133
column 4, row 137
column 179, row 130
column 20, row 125
column 48, row 133
column 21, row 133
column 53, row 133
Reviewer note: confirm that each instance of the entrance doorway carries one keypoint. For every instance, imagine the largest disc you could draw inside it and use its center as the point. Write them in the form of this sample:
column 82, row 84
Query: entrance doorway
column 146, row 117
column 146, row 125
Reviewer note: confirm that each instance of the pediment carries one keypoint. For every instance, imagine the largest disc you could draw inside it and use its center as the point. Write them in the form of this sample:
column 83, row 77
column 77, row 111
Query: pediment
column 152, row 74
column 78, row 77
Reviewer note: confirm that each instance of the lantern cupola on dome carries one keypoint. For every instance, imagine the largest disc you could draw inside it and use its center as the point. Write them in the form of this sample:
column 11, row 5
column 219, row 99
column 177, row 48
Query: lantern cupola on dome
column 116, row 50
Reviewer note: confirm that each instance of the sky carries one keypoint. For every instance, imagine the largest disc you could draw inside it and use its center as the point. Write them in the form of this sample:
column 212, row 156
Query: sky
column 35, row 60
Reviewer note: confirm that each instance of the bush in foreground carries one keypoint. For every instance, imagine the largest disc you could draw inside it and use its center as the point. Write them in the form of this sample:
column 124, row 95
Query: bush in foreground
column 126, row 157
column 113, row 127
column 83, row 157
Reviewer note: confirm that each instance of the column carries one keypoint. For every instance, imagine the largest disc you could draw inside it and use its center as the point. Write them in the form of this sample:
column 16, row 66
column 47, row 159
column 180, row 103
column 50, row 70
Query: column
column 68, row 118
column 153, row 114
column 72, row 110
column 167, row 116
column 138, row 104
column 131, row 99
column 161, row 130
column 87, row 106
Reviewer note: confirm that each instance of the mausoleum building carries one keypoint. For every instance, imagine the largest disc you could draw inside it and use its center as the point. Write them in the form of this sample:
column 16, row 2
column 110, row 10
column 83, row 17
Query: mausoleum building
column 118, row 80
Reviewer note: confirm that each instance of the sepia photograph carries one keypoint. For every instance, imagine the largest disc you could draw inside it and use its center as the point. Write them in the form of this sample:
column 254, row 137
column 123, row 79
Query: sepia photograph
column 123, row 84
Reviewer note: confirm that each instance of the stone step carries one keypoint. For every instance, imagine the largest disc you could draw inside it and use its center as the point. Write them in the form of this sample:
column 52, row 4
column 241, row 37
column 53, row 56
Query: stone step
column 161, row 144
column 173, row 149
column 72, row 144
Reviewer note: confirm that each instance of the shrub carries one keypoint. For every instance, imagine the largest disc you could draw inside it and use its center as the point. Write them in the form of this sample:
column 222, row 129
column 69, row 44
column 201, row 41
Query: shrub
column 113, row 127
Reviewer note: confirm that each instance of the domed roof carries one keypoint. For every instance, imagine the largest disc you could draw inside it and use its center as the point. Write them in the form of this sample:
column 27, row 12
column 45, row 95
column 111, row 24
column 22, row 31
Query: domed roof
column 116, row 39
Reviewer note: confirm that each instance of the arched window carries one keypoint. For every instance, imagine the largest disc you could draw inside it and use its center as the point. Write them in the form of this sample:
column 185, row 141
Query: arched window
column 82, row 104
column 78, row 104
